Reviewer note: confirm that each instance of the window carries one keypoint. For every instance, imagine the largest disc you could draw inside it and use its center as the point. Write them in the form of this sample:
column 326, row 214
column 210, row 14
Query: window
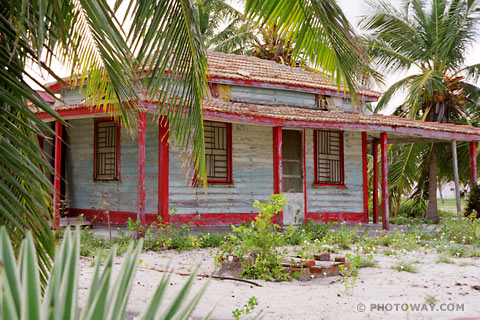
column 218, row 151
column 106, row 151
column 328, row 153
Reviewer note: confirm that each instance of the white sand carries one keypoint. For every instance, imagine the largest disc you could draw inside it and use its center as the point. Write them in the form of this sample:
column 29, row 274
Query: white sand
column 317, row 299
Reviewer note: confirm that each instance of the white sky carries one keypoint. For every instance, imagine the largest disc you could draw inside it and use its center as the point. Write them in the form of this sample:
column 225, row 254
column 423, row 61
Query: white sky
column 353, row 9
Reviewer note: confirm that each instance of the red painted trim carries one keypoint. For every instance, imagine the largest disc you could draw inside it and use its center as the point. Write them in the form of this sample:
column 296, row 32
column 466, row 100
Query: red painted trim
column 95, row 132
column 304, row 179
column 355, row 217
column 385, row 208
column 277, row 166
column 316, row 183
column 375, row 180
column 329, row 185
column 223, row 116
column 290, row 87
column 473, row 162
column 142, row 122
column 57, row 171
column 365, row 176
column 69, row 113
column 163, row 171
column 121, row 217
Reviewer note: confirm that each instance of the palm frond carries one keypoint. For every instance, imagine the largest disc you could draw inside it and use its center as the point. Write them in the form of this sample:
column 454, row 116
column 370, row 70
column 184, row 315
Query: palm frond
column 172, row 59
column 321, row 33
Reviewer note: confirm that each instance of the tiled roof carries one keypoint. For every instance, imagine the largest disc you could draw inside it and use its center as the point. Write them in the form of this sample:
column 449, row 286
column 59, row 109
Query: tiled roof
column 247, row 68
column 231, row 66
column 303, row 117
column 319, row 116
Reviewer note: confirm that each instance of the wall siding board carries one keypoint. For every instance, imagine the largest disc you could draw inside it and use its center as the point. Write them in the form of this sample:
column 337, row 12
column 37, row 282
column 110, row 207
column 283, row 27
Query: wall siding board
column 252, row 171
column 84, row 193
column 272, row 96
column 331, row 198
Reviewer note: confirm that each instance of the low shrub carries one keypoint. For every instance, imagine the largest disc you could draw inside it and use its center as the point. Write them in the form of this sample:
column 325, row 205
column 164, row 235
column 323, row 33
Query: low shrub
column 257, row 244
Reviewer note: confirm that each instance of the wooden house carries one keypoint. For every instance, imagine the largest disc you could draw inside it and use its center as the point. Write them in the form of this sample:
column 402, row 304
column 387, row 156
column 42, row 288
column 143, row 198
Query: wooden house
column 269, row 129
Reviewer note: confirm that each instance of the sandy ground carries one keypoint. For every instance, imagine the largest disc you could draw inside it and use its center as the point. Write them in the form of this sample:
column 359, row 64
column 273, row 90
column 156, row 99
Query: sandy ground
column 327, row 298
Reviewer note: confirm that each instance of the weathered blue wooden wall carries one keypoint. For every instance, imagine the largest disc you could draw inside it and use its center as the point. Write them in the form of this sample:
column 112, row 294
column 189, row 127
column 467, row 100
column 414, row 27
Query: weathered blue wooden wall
column 336, row 199
column 272, row 96
column 252, row 154
column 84, row 193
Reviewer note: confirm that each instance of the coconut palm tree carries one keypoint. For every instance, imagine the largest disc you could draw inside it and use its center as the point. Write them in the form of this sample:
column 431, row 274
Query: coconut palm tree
column 86, row 36
column 430, row 40
column 104, row 53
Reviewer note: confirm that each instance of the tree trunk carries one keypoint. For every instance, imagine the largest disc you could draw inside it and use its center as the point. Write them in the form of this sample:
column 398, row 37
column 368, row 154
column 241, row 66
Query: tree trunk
column 432, row 211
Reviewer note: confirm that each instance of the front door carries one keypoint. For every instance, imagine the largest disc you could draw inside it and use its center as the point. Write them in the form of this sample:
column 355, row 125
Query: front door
column 292, row 158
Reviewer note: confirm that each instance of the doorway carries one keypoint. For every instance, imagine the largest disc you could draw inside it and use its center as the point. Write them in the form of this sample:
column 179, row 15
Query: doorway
column 292, row 159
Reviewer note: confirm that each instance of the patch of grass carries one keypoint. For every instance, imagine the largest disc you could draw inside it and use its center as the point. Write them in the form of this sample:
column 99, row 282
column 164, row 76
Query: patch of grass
column 444, row 259
column 430, row 299
column 406, row 266
column 389, row 252
column 366, row 262
column 467, row 264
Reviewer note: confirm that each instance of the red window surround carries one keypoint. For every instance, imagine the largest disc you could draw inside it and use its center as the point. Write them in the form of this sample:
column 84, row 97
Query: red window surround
column 116, row 178
column 229, row 178
column 317, row 183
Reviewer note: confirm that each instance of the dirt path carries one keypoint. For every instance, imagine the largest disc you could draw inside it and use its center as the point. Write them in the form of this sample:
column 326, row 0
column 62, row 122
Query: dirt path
column 449, row 284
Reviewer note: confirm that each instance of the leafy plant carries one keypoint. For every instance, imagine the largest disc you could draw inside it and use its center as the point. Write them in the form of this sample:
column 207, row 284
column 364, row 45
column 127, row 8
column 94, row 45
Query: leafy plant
column 246, row 309
column 21, row 295
column 257, row 244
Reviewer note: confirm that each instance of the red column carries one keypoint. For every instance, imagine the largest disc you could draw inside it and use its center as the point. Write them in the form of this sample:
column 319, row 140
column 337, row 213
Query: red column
column 473, row 162
column 142, row 121
column 385, row 214
column 277, row 165
column 365, row 177
column 375, row 180
column 163, row 171
column 304, row 179
column 57, row 173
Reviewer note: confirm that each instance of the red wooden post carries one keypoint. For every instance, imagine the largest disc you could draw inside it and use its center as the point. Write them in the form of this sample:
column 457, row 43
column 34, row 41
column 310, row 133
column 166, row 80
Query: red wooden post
column 163, row 171
column 277, row 165
column 57, row 172
column 304, row 180
column 385, row 214
column 473, row 162
column 142, row 122
column 375, row 180
column 365, row 177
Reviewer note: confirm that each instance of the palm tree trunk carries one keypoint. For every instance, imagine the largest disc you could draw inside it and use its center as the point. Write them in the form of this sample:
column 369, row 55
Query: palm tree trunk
column 432, row 211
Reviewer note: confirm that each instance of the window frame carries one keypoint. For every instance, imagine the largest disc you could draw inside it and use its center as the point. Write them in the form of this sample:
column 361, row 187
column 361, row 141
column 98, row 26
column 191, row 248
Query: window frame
column 117, row 160
column 316, row 182
column 229, row 180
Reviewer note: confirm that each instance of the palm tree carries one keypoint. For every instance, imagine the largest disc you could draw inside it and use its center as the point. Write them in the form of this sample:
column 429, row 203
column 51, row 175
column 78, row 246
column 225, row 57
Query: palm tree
column 431, row 40
column 164, row 41
column 86, row 36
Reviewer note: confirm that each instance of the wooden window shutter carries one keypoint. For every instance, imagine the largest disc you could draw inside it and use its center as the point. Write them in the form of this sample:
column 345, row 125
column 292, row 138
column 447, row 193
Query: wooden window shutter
column 218, row 151
column 106, row 153
column 329, row 157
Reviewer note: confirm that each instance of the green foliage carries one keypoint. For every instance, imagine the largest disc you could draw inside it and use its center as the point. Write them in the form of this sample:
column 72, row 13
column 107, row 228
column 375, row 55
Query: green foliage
column 158, row 237
column 444, row 259
column 406, row 266
column 21, row 296
column 246, row 309
column 472, row 207
column 461, row 231
column 257, row 245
